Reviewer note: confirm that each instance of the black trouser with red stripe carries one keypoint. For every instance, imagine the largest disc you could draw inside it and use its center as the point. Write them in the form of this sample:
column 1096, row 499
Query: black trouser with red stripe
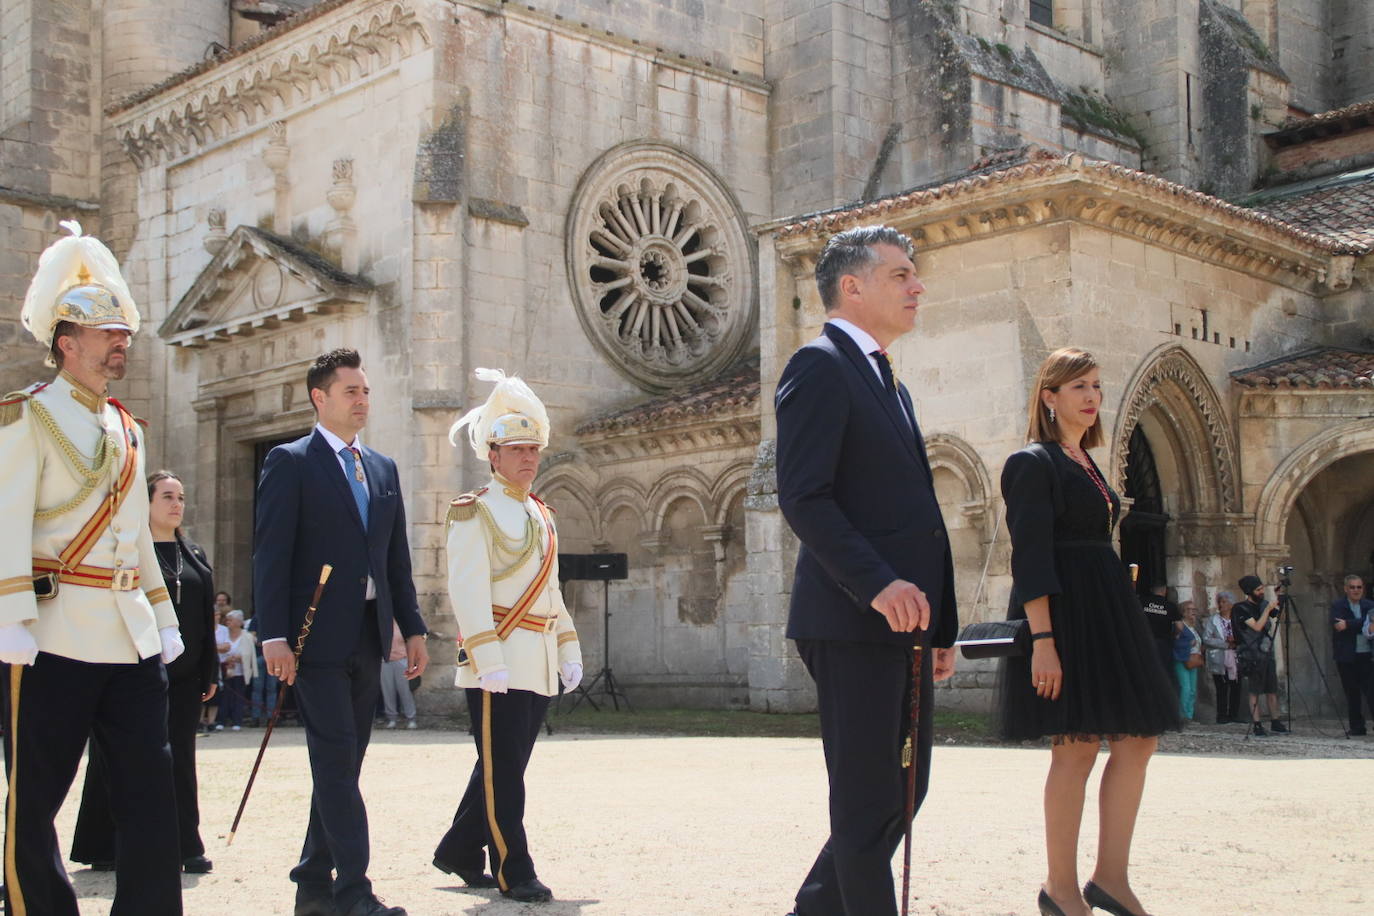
column 62, row 702
column 491, row 815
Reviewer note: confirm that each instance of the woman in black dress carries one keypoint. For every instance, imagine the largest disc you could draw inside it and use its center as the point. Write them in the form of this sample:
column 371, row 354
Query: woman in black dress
column 191, row 679
column 1093, row 673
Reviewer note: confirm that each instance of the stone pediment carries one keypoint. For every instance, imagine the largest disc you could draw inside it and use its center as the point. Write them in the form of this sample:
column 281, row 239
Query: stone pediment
column 258, row 281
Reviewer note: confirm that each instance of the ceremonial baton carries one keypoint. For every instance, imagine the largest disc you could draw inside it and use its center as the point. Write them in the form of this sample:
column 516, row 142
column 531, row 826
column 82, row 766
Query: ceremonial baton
column 281, row 698
column 909, row 761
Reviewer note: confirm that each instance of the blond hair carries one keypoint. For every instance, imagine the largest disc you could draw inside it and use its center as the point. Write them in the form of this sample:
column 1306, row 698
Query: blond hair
column 1060, row 367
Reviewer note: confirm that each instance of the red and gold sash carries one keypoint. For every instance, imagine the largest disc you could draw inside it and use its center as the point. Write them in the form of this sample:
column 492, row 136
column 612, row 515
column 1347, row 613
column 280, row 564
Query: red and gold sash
column 514, row 616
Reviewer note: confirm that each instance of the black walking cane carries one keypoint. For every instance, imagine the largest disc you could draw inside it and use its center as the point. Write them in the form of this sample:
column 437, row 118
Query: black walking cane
column 909, row 761
column 281, row 698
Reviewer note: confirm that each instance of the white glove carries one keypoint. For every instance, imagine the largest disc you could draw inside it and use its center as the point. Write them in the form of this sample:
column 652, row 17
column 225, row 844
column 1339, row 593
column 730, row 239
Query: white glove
column 172, row 646
column 496, row 682
column 17, row 645
column 571, row 675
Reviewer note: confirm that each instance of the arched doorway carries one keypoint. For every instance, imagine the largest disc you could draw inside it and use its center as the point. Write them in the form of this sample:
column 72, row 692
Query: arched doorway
column 1330, row 533
column 1144, row 527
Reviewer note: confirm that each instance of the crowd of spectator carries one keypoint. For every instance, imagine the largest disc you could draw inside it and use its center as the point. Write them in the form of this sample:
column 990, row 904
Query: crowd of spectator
column 1236, row 645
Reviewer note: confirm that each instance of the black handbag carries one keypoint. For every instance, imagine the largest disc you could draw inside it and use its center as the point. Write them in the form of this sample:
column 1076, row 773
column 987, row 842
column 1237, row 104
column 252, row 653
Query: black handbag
column 995, row 639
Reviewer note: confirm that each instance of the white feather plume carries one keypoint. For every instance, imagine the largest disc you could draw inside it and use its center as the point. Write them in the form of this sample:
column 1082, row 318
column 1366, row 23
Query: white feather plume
column 511, row 395
column 59, row 269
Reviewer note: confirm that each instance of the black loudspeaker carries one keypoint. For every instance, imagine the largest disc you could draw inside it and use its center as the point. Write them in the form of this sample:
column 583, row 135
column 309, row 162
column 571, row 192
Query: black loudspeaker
column 593, row 567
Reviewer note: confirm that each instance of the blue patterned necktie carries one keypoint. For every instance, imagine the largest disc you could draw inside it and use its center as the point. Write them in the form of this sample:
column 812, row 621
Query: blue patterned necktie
column 352, row 457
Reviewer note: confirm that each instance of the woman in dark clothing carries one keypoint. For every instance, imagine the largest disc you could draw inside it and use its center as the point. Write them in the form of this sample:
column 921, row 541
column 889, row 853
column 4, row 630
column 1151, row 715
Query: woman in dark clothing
column 1093, row 673
column 191, row 680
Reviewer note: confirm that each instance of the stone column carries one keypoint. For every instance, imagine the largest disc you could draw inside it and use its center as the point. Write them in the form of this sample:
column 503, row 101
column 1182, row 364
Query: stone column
column 277, row 155
column 341, row 234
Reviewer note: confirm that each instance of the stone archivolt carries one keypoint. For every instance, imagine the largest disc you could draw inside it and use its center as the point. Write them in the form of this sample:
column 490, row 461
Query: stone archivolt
column 1050, row 188
column 1174, row 368
column 325, row 54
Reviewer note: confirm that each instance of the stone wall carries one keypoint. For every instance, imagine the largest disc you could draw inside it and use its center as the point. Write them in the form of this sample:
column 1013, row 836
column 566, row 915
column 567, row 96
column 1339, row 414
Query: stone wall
column 1352, row 45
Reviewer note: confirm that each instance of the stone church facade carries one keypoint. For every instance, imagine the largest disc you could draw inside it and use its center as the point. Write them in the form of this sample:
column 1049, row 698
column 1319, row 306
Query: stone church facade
column 622, row 202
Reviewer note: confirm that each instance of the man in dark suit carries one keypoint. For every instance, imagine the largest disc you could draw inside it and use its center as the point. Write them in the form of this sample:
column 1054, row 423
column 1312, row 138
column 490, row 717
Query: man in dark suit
column 1350, row 646
column 328, row 499
column 874, row 573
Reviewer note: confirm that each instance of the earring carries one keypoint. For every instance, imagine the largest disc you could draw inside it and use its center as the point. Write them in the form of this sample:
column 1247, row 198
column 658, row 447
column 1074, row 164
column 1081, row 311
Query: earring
column 1052, row 415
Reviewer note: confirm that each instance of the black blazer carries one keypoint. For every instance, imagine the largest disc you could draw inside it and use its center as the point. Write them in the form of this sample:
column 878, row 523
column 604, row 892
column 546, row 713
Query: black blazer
column 855, row 485
column 306, row 517
column 197, row 624
column 1343, row 642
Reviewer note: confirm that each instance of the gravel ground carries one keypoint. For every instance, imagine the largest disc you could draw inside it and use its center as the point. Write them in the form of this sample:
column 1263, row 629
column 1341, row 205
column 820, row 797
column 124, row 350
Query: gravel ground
column 683, row 826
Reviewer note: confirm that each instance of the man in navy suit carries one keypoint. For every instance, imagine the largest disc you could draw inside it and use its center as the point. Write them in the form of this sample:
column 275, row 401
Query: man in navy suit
column 874, row 573
column 328, row 499
column 1350, row 646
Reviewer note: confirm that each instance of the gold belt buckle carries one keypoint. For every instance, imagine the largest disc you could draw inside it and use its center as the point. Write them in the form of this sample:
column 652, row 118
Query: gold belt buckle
column 124, row 580
column 550, row 623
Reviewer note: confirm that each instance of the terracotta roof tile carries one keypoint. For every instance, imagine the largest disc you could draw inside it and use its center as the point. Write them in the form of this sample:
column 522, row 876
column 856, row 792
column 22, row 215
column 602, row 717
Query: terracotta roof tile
column 1321, row 367
column 1038, row 165
column 736, row 387
column 1340, row 210
column 1337, row 114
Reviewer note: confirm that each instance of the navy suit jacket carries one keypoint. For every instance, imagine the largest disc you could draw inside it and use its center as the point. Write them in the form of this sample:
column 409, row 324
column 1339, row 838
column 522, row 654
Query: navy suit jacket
column 855, row 485
column 307, row 517
column 1343, row 641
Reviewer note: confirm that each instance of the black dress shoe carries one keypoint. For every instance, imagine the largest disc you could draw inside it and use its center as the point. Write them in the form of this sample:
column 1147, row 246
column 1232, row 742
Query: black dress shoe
column 315, row 906
column 1099, row 899
column 371, row 906
column 531, row 891
column 197, row 865
column 102, row 866
column 472, row 877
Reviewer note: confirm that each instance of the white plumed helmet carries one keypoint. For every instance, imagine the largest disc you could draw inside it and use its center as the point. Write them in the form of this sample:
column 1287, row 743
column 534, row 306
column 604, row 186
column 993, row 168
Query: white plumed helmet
column 77, row 280
column 512, row 415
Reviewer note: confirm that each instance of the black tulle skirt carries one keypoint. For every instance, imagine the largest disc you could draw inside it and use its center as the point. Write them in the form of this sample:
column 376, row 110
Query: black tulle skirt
column 1114, row 685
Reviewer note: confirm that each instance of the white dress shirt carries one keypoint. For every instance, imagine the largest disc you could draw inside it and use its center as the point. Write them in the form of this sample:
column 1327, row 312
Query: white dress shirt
column 863, row 339
column 867, row 345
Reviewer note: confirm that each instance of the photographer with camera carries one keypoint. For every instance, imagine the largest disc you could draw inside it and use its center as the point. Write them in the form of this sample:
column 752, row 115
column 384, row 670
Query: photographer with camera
column 1255, row 621
column 1350, row 647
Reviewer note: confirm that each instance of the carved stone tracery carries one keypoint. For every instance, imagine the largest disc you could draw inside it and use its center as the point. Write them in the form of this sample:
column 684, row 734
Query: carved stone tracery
column 660, row 266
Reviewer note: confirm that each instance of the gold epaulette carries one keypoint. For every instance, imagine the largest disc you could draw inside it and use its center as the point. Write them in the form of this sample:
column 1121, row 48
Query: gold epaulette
column 12, row 407
column 464, row 507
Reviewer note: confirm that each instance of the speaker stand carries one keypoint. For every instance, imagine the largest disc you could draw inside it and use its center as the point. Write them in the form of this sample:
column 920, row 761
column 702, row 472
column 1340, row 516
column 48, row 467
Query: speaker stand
column 604, row 684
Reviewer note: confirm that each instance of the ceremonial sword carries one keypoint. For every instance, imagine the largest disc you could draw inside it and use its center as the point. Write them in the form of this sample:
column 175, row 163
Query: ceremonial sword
column 281, row 698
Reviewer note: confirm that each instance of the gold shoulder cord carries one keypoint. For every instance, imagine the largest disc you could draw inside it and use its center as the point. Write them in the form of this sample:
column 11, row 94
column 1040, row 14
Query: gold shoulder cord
column 92, row 476
column 522, row 550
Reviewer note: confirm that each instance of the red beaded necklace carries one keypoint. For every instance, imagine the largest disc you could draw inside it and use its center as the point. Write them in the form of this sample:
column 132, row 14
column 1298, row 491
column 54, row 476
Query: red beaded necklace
column 1073, row 452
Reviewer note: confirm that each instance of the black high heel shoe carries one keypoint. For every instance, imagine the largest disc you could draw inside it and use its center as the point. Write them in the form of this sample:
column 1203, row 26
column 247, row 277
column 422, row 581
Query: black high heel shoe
column 1047, row 905
column 1099, row 899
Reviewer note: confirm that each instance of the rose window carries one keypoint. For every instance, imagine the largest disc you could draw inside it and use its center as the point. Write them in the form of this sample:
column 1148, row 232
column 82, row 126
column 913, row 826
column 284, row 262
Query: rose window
column 660, row 266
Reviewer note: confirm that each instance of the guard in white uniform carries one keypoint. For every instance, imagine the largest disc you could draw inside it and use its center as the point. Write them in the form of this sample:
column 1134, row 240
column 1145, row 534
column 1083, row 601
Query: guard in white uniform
column 516, row 638
column 85, row 619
